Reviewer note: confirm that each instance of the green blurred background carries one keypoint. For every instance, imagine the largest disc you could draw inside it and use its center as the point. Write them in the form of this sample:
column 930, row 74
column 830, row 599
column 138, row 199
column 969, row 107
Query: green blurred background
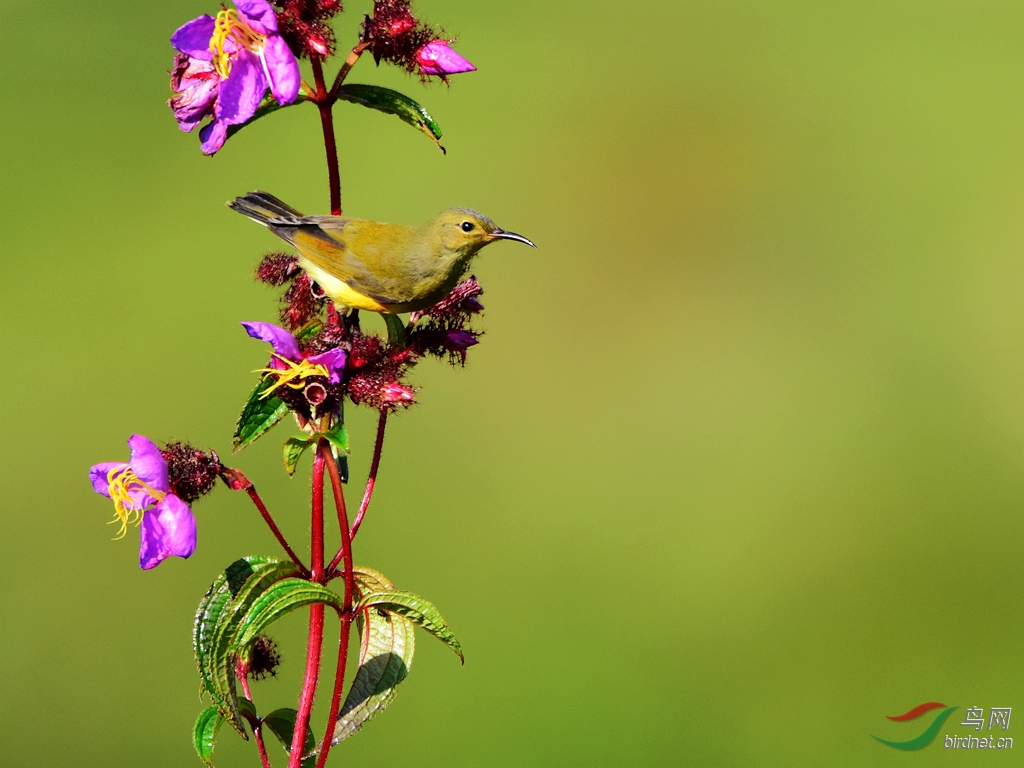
column 737, row 471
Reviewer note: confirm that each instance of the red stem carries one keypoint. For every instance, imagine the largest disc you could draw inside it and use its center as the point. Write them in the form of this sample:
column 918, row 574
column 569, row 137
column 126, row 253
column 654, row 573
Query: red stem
column 367, row 494
column 346, row 615
column 324, row 104
column 316, row 617
column 257, row 727
column 251, row 490
column 372, row 479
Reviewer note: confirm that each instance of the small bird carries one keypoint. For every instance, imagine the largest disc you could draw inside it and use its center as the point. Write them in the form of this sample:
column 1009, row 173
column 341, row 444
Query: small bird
column 379, row 267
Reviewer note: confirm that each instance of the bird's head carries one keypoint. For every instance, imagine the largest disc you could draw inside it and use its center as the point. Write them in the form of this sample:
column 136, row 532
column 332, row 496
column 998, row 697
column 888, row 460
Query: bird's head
column 462, row 229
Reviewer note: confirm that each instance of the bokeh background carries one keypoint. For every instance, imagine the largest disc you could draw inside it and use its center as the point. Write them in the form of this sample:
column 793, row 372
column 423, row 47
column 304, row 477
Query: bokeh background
column 737, row 470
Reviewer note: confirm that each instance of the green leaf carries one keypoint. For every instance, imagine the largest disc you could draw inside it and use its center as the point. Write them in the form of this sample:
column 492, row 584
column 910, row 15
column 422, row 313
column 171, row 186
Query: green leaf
column 247, row 709
column 214, row 603
column 258, row 415
column 281, row 723
column 387, row 642
column 338, row 437
column 394, row 103
column 396, row 328
column 294, row 447
column 279, row 599
column 205, row 733
column 217, row 621
column 310, row 329
column 267, row 107
column 386, row 646
column 416, row 609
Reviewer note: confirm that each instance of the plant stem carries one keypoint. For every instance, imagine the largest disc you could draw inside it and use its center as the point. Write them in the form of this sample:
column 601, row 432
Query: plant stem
column 350, row 62
column 316, row 616
column 371, row 481
column 251, row 490
column 367, row 494
column 257, row 727
column 324, row 104
column 346, row 616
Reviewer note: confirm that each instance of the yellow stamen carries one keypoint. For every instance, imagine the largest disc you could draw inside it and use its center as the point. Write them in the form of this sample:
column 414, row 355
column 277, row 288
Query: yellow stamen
column 293, row 377
column 228, row 27
column 122, row 482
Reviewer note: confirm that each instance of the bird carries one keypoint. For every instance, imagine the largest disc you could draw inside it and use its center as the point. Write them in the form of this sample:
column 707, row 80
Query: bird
column 386, row 268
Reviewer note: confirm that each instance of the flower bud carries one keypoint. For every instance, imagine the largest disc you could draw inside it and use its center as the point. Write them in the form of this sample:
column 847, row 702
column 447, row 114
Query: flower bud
column 394, row 394
column 437, row 58
column 318, row 44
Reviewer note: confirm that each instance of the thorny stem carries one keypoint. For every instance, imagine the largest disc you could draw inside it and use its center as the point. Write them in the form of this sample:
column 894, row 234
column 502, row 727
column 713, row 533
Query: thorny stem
column 324, row 104
column 346, row 616
column 257, row 727
column 350, row 62
column 251, row 490
column 316, row 617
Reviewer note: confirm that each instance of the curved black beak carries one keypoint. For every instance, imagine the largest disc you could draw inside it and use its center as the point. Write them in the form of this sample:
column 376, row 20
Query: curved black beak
column 503, row 235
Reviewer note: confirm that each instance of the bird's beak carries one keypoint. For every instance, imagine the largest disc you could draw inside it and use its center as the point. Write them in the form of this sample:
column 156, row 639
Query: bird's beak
column 501, row 234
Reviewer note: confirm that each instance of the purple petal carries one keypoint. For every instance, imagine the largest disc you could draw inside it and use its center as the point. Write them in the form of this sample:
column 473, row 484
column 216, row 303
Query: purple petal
column 333, row 360
column 148, row 463
column 195, row 84
column 213, row 135
column 437, row 58
column 458, row 340
column 243, row 90
column 283, row 342
column 259, row 15
column 98, row 474
column 284, row 70
column 193, row 38
column 167, row 529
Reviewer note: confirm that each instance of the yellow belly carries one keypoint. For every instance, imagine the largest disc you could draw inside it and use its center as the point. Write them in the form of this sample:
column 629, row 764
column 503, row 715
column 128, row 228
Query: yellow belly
column 339, row 291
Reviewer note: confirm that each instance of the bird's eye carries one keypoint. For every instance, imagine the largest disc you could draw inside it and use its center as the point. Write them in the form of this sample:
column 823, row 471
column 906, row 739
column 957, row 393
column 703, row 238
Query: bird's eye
column 467, row 226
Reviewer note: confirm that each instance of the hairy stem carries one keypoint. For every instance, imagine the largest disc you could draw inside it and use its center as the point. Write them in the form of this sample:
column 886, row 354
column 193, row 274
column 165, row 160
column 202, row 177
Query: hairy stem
column 316, row 617
column 350, row 62
column 251, row 490
column 371, row 481
column 338, row 491
column 325, row 104
column 257, row 727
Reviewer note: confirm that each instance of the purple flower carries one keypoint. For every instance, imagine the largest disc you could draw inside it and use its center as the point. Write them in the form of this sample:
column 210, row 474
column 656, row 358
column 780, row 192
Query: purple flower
column 437, row 58
column 247, row 54
column 289, row 364
column 141, row 491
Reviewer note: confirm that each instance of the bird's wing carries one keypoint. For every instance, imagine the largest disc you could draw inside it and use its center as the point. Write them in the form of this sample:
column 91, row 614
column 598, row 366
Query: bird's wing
column 332, row 244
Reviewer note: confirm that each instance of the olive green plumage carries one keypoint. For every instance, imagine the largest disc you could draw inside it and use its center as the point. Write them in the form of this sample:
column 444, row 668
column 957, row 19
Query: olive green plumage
column 380, row 267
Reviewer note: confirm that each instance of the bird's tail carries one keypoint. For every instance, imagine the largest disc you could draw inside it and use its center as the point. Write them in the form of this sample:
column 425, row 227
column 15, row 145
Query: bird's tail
column 266, row 209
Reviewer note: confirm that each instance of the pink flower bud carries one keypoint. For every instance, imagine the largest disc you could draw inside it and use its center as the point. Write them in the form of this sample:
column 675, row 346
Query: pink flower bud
column 318, row 44
column 395, row 394
column 437, row 58
column 400, row 25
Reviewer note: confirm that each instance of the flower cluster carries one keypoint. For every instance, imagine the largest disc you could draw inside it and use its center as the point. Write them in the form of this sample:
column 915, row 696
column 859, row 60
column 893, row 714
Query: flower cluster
column 154, row 490
column 375, row 370
column 307, row 382
column 224, row 67
column 393, row 34
column 442, row 330
column 301, row 302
